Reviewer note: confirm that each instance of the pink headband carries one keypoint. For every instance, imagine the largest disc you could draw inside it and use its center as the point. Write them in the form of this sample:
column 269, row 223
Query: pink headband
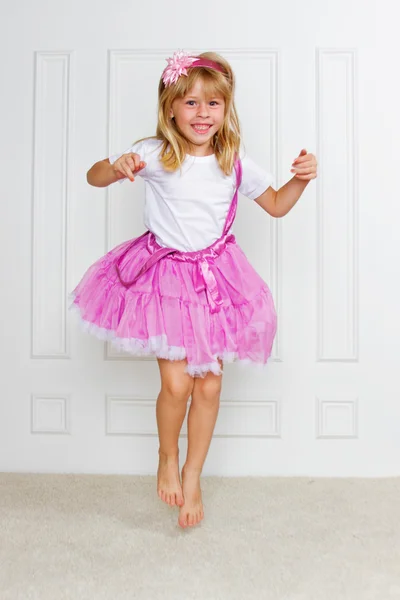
column 181, row 61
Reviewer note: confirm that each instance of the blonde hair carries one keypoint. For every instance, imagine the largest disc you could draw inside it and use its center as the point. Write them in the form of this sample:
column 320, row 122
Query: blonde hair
column 225, row 142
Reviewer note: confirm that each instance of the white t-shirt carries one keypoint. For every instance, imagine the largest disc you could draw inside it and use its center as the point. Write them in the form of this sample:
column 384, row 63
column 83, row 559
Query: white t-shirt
column 188, row 211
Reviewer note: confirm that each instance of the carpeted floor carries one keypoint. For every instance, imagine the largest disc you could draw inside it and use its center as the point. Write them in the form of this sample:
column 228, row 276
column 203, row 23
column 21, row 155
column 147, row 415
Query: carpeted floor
column 111, row 537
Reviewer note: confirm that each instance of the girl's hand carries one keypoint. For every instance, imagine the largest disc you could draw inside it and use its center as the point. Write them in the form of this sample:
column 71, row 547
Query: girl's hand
column 127, row 165
column 305, row 166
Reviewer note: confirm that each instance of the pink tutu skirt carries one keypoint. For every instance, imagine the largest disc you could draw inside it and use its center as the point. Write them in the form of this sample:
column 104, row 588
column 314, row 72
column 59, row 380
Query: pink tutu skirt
column 166, row 313
column 200, row 306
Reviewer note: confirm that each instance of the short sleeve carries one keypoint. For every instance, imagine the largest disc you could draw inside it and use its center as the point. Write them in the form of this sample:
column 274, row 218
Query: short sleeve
column 255, row 179
column 141, row 148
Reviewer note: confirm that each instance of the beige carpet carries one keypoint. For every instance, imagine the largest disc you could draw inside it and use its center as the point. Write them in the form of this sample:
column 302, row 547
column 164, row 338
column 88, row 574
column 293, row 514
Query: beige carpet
column 111, row 537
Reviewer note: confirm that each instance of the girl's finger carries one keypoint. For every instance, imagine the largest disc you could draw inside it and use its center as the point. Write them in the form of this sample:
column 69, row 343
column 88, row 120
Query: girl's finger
column 119, row 168
column 304, row 159
column 137, row 161
column 302, row 170
column 128, row 172
column 305, row 177
column 134, row 162
column 130, row 163
column 308, row 163
column 141, row 166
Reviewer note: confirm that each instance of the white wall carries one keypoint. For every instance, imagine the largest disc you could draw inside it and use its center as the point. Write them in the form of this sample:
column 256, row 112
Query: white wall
column 79, row 82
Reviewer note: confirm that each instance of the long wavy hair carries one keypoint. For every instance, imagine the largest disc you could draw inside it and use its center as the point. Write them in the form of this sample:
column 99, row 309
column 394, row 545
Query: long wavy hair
column 225, row 142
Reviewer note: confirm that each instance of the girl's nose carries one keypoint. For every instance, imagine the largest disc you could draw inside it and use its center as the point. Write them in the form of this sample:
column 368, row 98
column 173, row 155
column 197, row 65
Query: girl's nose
column 203, row 109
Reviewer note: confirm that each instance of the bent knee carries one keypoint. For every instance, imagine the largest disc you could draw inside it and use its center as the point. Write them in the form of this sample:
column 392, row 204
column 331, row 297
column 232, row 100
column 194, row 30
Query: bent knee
column 177, row 389
column 209, row 388
column 175, row 382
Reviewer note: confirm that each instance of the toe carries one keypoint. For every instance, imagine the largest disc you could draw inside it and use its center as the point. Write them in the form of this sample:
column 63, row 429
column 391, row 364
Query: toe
column 183, row 521
column 172, row 500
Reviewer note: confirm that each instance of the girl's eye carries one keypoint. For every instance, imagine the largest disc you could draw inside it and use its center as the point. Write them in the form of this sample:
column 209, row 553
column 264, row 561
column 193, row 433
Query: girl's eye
column 212, row 102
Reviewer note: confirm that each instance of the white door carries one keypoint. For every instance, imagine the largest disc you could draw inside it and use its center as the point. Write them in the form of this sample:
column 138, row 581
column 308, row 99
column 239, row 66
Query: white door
column 79, row 83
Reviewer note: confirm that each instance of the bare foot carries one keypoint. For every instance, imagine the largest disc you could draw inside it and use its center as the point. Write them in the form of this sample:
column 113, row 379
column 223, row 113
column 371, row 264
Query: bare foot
column 191, row 512
column 169, row 486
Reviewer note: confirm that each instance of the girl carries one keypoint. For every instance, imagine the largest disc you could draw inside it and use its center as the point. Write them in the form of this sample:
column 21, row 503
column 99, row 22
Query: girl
column 184, row 290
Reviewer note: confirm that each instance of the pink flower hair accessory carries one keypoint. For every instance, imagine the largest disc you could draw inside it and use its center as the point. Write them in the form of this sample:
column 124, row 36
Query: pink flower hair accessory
column 180, row 62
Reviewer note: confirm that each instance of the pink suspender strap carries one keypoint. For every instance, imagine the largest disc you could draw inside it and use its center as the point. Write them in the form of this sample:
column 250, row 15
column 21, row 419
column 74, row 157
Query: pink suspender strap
column 232, row 209
column 155, row 257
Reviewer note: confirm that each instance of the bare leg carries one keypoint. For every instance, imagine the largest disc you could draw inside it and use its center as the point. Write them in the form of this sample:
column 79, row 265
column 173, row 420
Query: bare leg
column 202, row 417
column 176, row 388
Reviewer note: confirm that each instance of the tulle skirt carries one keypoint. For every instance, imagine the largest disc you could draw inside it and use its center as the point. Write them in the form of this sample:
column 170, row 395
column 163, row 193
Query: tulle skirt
column 199, row 306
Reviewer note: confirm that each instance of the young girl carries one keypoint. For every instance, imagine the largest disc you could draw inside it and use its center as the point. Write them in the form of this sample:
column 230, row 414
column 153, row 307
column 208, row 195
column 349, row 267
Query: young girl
column 184, row 291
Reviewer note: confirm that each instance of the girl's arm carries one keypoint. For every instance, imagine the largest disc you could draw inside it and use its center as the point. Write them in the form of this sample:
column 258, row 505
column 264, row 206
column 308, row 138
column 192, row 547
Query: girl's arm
column 278, row 203
column 102, row 174
column 288, row 194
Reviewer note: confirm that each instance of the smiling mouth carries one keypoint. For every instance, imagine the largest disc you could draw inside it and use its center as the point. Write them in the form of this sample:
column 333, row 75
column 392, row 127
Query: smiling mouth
column 201, row 128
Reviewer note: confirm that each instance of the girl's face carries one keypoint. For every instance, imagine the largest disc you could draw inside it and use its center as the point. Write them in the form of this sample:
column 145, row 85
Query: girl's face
column 198, row 118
